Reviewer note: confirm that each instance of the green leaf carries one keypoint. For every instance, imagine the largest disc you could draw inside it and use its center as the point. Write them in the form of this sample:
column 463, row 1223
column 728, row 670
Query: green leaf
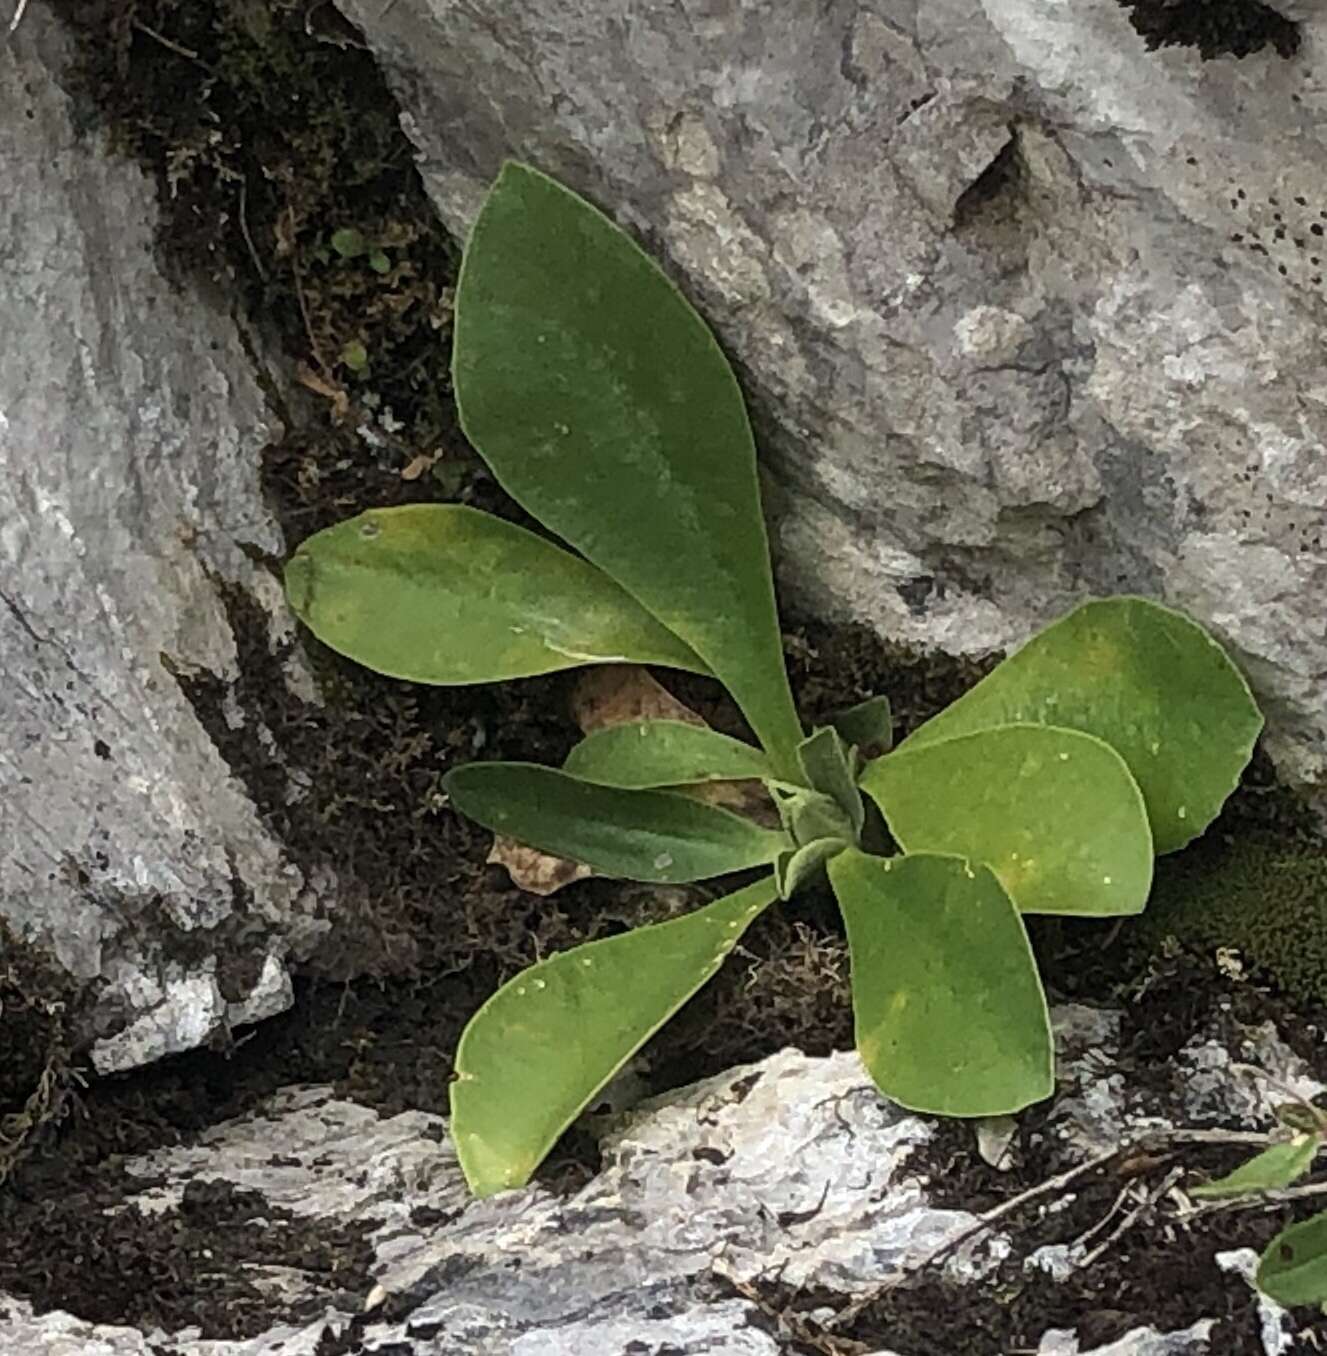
column 1270, row 1170
column 868, row 726
column 605, row 408
column 355, row 355
column 440, row 593
column 379, row 262
column 1150, row 682
column 795, row 866
column 950, row 1014
column 639, row 835
column 1293, row 1269
column 534, row 1056
column 826, row 765
column 645, row 753
column 1054, row 813
column 348, row 242
column 808, row 816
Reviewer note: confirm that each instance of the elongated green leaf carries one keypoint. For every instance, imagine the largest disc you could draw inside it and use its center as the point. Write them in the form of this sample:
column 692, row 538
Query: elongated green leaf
column 604, row 406
column 646, row 753
column 828, row 766
column 440, row 593
column 1270, row 1170
column 950, row 1014
column 534, row 1056
column 868, row 726
column 1150, row 682
column 640, row 835
column 1293, row 1269
column 1054, row 813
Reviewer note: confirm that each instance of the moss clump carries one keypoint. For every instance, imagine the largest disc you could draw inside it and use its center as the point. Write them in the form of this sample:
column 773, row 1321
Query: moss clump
column 1258, row 898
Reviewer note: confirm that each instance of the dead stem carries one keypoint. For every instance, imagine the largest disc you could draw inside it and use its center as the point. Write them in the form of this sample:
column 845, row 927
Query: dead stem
column 1150, row 1139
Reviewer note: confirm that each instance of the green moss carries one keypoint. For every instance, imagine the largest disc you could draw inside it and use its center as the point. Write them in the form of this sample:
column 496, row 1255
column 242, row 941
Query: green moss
column 1257, row 897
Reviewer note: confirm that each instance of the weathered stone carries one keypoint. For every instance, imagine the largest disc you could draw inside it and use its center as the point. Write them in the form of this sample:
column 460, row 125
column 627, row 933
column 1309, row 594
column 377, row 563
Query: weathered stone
column 1027, row 312
column 131, row 427
column 794, row 1167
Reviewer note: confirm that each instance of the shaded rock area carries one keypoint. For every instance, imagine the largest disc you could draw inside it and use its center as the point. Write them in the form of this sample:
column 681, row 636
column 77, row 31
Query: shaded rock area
column 781, row 1207
column 131, row 428
column 1029, row 296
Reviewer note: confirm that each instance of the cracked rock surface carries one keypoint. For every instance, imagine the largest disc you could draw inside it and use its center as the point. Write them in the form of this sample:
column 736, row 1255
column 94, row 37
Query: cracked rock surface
column 131, row 426
column 793, row 1168
column 1028, row 311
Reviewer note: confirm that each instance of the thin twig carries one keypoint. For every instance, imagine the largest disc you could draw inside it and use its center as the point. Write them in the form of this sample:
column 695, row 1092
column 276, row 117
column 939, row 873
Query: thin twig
column 299, row 293
column 1084, row 1238
column 244, row 228
column 1147, row 1140
column 1253, row 1138
column 172, row 46
column 1261, row 1200
column 980, row 1225
column 1131, row 1218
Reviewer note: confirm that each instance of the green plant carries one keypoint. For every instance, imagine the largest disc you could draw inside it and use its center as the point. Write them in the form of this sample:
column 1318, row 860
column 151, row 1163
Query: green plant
column 605, row 408
column 1293, row 1266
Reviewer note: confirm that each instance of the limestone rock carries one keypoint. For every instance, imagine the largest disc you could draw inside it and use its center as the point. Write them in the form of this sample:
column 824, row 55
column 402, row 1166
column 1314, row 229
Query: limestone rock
column 794, row 1167
column 131, row 427
column 1026, row 311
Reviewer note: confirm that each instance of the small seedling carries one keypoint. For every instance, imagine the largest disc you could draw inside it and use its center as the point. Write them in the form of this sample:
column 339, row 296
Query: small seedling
column 1293, row 1266
column 605, row 408
column 350, row 243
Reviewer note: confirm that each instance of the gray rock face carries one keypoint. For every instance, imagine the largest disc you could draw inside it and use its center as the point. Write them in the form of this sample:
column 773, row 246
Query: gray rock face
column 794, row 1168
column 131, row 427
column 1027, row 312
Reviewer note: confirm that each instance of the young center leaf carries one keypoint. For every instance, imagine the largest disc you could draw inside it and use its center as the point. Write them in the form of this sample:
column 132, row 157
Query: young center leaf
column 441, row 593
column 1271, row 1170
column 1293, row 1269
column 868, row 726
column 1150, row 682
column 534, row 1056
column 647, row 753
column 604, row 406
column 949, row 1011
column 1054, row 813
column 656, row 836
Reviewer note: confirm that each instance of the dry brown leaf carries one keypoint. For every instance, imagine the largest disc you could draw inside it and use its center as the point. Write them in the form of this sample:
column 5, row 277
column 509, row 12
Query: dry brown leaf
column 615, row 694
column 328, row 389
column 539, row 873
column 418, row 465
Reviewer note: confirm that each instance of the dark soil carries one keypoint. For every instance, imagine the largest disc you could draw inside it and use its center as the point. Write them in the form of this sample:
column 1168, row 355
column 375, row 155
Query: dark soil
column 272, row 136
column 1216, row 28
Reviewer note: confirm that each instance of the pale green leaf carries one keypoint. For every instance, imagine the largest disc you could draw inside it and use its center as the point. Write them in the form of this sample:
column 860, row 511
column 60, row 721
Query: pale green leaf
column 868, row 726
column 646, row 753
column 808, row 816
column 1271, row 1170
column 638, row 835
column 1150, row 682
column 826, row 765
column 348, row 242
column 605, row 407
column 950, row 1014
column 441, row 593
column 1054, row 813
column 796, row 866
column 536, row 1054
column 1293, row 1269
